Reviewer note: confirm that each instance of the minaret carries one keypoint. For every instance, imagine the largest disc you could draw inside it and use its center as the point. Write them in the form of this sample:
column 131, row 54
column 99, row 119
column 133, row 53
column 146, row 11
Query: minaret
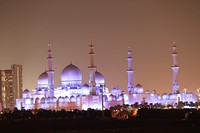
column 175, row 68
column 130, row 71
column 92, row 70
column 50, row 73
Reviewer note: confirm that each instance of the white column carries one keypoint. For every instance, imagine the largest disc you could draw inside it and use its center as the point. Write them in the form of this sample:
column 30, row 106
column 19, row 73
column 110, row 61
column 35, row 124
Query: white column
column 92, row 70
column 175, row 68
column 130, row 71
column 50, row 72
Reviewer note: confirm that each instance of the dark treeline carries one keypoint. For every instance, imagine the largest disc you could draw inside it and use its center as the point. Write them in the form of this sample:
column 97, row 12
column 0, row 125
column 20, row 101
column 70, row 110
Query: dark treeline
column 177, row 114
column 91, row 114
column 42, row 114
column 90, row 121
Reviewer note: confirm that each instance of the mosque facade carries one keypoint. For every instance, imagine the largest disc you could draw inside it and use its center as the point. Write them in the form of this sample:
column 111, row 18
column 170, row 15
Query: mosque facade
column 72, row 94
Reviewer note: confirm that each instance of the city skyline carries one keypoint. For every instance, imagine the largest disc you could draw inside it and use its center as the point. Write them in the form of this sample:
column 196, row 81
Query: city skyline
column 148, row 28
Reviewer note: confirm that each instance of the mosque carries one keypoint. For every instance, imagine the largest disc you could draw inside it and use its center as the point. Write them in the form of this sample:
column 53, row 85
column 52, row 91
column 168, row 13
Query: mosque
column 72, row 94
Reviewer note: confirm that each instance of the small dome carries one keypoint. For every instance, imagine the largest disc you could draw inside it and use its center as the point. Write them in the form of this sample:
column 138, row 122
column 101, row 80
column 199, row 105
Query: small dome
column 99, row 79
column 138, row 89
column 43, row 80
column 116, row 91
column 115, row 88
column 85, row 89
column 112, row 97
column 85, row 86
column 26, row 94
column 71, row 76
column 138, row 86
column 121, row 96
column 26, row 91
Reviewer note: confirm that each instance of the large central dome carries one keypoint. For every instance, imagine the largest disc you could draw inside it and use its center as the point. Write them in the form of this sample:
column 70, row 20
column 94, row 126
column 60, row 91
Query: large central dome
column 71, row 76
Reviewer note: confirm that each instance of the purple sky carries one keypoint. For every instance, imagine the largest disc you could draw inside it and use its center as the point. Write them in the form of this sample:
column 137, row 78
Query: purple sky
column 148, row 27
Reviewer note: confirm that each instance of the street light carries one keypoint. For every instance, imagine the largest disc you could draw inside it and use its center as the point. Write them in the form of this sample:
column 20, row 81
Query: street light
column 102, row 86
column 198, row 98
column 185, row 90
column 185, row 97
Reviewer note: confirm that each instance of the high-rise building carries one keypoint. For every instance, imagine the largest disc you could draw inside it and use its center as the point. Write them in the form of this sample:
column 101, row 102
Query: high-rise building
column 10, row 86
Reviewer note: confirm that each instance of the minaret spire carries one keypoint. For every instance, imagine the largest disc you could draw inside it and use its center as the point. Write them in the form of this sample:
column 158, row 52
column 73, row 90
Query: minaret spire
column 130, row 71
column 92, row 69
column 50, row 58
column 175, row 68
column 91, row 53
column 50, row 72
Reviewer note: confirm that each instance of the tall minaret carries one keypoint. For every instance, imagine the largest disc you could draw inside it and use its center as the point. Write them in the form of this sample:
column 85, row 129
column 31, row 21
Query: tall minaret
column 50, row 72
column 92, row 69
column 175, row 68
column 130, row 71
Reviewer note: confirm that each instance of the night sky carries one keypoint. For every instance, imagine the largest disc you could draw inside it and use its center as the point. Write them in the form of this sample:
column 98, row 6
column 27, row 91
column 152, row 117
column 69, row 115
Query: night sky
column 147, row 26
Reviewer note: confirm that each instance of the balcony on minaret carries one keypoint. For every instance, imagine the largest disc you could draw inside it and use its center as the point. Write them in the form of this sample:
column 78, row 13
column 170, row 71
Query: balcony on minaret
column 91, row 52
column 129, row 58
column 93, row 67
column 129, row 70
column 174, row 66
column 50, row 58
column 174, row 53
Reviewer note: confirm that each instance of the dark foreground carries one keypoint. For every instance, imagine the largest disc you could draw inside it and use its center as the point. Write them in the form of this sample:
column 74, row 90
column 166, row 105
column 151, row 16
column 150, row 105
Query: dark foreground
column 154, row 121
column 104, row 126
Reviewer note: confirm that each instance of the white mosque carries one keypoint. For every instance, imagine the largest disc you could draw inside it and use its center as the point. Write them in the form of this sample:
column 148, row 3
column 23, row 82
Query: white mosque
column 72, row 94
